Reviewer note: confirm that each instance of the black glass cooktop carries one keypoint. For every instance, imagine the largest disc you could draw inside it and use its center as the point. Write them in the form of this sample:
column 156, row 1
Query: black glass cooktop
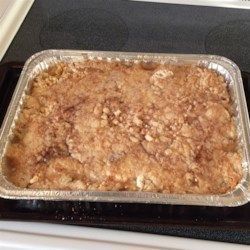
column 131, row 26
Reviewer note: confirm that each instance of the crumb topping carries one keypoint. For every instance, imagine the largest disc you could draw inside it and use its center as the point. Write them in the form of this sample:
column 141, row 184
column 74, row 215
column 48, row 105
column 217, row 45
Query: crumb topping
column 97, row 125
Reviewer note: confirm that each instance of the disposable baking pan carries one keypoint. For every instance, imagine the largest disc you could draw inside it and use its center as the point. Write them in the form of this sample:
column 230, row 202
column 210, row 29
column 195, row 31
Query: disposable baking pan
column 42, row 60
column 176, row 220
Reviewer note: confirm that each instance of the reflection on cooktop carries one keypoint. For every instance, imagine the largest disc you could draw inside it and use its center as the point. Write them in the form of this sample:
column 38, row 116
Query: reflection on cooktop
column 231, row 39
column 84, row 28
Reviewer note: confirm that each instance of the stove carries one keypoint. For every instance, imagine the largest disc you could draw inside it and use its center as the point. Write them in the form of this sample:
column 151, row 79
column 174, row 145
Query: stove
column 131, row 26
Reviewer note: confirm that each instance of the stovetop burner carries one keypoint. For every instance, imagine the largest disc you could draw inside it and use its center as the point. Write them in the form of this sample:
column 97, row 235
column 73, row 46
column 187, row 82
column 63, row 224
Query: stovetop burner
column 216, row 223
column 133, row 26
column 90, row 28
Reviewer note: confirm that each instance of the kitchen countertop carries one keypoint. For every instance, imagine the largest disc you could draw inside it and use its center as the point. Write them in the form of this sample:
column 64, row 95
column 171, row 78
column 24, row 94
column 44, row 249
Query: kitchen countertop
column 137, row 26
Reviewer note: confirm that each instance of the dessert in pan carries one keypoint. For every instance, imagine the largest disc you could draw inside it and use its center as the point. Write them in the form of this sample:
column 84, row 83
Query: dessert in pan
column 141, row 127
column 98, row 125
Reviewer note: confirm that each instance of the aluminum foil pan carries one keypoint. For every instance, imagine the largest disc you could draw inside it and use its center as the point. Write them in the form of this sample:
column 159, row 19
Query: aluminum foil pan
column 41, row 61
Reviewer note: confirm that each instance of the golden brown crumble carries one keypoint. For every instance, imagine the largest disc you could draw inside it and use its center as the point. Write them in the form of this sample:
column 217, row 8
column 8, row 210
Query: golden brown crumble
column 99, row 125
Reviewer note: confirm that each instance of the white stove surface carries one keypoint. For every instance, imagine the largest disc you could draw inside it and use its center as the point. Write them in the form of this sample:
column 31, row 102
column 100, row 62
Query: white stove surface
column 44, row 236
column 4, row 5
column 12, row 14
column 240, row 4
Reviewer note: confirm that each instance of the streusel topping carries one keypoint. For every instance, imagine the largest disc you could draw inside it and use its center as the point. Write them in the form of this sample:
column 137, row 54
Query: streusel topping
column 97, row 125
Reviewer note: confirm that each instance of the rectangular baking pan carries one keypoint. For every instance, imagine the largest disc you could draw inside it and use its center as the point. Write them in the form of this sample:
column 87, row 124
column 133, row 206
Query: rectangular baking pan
column 229, row 224
column 42, row 60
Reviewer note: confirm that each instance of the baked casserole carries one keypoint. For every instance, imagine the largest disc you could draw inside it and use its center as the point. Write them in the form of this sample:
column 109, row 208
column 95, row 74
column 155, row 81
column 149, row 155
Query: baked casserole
column 99, row 125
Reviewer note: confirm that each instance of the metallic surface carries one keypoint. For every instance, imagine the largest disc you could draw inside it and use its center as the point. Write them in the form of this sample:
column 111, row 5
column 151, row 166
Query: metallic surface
column 225, row 67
